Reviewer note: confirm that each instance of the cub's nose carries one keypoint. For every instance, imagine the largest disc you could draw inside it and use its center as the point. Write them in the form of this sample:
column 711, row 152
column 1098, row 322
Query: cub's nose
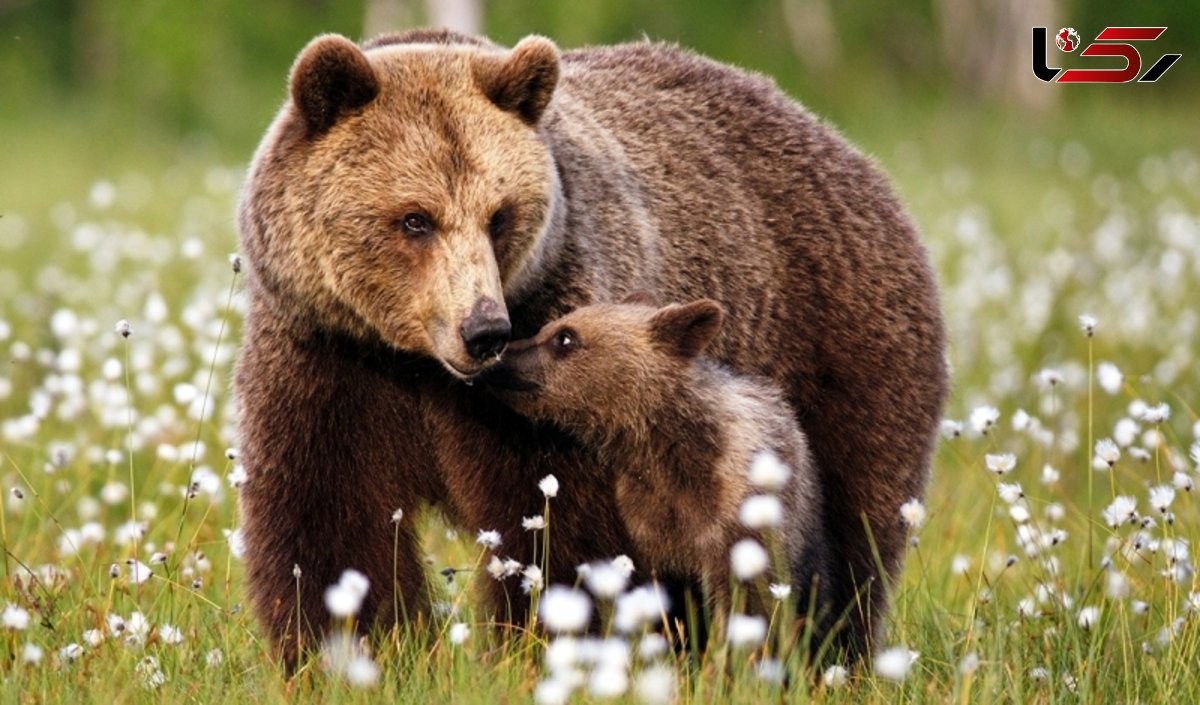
column 486, row 331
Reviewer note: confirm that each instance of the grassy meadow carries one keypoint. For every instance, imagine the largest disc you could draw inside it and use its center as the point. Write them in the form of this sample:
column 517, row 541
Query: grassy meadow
column 1051, row 562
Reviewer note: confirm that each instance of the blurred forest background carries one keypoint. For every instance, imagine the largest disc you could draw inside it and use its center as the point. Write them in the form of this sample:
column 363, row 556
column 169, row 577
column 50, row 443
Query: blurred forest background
column 90, row 85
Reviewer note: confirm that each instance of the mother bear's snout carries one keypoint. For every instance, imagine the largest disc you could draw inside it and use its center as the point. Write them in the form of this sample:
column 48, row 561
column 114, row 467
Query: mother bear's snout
column 487, row 330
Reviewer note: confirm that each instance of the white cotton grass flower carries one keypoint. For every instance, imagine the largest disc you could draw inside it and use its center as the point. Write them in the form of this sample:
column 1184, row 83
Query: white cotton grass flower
column 960, row 564
column 1054, row 512
column 553, row 691
column 1000, row 464
column 950, row 429
column 1088, row 617
column 1088, row 323
column 397, row 516
column 656, row 685
column 748, row 559
column 1126, row 431
column 1182, row 481
column 534, row 523
column 605, row 580
column 563, row 609
column 771, row 671
column 70, row 652
column 342, row 655
column 780, row 591
column 983, row 418
column 652, row 646
column 32, row 654
column 15, row 618
column 563, row 654
column 894, row 664
column 500, row 568
column 1050, row 475
column 913, row 513
column 969, row 664
column 608, row 682
column 640, row 607
column 745, row 631
column 1161, row 497
column 1156, row 414
column 1049, row 378
column 1194, row 451
column 214, row 658
column 1018, row 513
column 624, row 564
column 1010, row 492
column 531, row 579
column 1123, row 509
column 235, row 262
column 458, row 633
column 137, row 629
column 488, row 538
column 1022, row 421
column 152, row 677
column 549, row 486
column 835, row 677
column 1107, row 454
column 138, row 572
column 237, row 543
column 345, row 598
column 123, row 328
column 767, row 472
column 761, row 511
column 1109, row 377
column 1116, row 585
column 170, row 634
column 93, row 637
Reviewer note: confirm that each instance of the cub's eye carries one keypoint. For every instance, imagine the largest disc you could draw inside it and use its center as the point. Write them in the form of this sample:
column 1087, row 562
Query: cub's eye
column 499, row 223
column 416, row 224
column 565, row 341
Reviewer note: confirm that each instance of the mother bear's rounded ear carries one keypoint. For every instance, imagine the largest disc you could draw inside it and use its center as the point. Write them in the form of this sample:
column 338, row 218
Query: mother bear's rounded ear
column 522, row 81
column 330, row 78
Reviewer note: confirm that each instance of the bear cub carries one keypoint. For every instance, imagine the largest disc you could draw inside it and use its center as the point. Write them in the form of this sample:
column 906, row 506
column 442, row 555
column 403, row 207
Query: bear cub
column 679, row 433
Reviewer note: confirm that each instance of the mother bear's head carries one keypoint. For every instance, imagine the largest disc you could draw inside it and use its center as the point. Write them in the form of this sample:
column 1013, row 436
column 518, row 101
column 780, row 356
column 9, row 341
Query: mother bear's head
column 403, row 191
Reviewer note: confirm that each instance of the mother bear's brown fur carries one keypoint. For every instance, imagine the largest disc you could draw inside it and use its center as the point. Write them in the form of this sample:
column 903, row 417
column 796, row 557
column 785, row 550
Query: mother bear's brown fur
column 422, row 198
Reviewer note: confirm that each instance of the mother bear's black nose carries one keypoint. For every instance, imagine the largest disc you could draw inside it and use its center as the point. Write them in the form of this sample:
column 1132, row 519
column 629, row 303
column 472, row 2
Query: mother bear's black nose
column 487, row 330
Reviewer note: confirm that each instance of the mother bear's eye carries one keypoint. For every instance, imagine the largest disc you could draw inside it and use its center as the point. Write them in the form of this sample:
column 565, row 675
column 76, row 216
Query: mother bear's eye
column 416, row 224
column 499, row 222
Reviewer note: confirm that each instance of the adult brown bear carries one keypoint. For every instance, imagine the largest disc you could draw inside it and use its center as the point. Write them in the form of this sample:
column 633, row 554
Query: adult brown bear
column 423, row 198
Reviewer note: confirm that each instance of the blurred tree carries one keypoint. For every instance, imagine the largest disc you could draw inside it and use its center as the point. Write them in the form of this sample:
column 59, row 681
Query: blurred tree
column 387, row 15
column 986, row 47
column 390, row 15
column 812, row 32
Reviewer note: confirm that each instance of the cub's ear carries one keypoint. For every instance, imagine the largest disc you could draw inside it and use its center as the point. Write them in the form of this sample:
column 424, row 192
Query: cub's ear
column 523, row 81
column 686, row 330
column 330, row 78
column 641, row 298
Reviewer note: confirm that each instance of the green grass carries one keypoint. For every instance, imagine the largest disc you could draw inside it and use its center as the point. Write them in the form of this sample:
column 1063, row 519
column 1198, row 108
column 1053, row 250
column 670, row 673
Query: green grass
column 1031, row 222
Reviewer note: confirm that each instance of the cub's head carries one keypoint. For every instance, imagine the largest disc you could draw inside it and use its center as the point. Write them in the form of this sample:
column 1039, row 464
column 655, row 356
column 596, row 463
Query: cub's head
column 403, row 190
column 605, row 367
